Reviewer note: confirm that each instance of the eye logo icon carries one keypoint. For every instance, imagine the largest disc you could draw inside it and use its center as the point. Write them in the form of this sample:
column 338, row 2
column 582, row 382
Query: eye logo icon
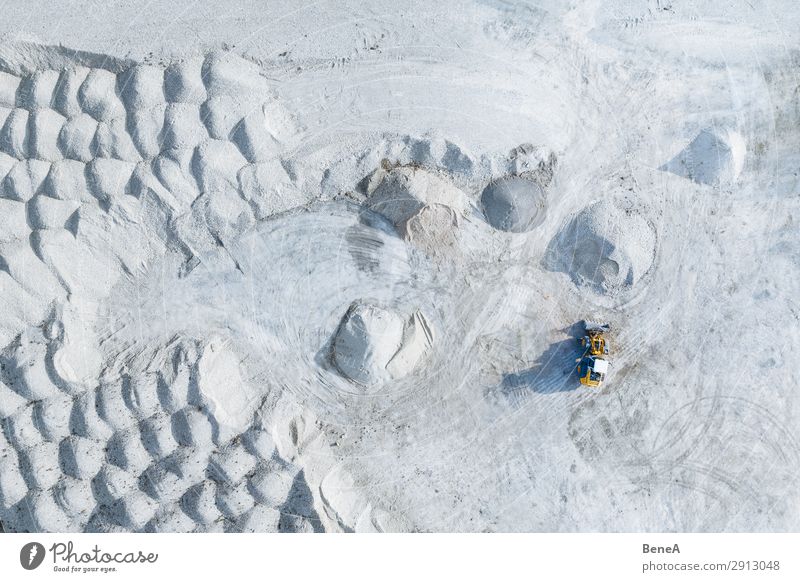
column 31, row 555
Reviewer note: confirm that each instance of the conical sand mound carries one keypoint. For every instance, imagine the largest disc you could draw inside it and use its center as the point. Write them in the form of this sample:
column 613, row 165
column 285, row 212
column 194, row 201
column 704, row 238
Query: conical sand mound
column 514, row 204
column 715, row 158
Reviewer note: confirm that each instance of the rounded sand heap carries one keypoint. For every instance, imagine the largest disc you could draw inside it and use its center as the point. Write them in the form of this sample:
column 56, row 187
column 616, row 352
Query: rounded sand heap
column 405, row 191
column 605, row 248
column 514, row 204
column 374, row 344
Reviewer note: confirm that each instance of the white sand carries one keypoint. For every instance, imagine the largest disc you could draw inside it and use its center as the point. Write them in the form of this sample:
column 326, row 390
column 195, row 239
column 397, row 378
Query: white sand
column 259, row 276
column 715, row 157
column 606, row 248
column 374, row 344
column 514, row 204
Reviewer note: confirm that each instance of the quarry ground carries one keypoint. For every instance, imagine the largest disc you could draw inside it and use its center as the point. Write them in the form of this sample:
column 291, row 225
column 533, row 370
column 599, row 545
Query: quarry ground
column 193, row 203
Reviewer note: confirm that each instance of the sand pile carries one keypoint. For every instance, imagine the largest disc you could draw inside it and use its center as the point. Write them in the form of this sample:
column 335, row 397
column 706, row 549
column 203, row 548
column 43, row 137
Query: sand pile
column 171, row 447
column 514, row 204
column 605, row 248
column 435, row 229
column 422, row 206
column 101, row 172
column 374, row 344
column 715, row 157
column 178, row 157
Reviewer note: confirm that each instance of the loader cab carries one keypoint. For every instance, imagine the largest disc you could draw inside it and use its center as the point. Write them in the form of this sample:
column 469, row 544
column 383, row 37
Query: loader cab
column 592, row 370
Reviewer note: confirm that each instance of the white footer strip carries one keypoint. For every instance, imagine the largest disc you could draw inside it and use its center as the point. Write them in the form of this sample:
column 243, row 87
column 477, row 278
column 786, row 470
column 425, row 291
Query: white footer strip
column 225, row 557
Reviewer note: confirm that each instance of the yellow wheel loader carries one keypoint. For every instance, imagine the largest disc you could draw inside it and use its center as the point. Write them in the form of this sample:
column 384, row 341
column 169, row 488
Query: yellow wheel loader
column 593, row 364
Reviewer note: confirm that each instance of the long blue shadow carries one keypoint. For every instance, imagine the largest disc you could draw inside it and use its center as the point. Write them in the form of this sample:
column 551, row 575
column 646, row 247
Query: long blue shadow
column 553, row 371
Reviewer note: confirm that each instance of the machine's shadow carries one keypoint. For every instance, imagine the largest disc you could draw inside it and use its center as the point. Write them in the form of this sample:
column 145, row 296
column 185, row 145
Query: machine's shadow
column 553, row 371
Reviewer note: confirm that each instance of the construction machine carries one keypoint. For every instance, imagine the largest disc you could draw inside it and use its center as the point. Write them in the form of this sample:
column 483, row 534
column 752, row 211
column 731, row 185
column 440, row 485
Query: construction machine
column 593, row 364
